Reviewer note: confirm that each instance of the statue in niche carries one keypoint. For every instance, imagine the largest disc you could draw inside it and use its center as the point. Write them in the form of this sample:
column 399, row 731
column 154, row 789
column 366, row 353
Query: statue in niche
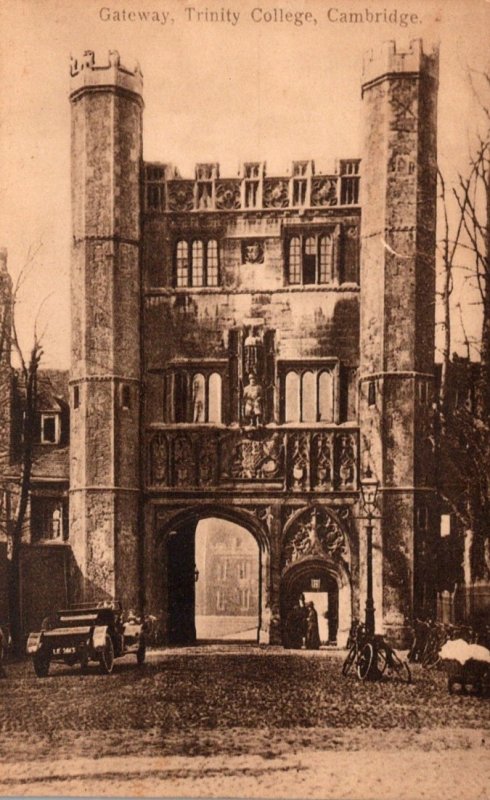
column 323, row 462
column 252, row 401
column 300, row 462
column 347, row 468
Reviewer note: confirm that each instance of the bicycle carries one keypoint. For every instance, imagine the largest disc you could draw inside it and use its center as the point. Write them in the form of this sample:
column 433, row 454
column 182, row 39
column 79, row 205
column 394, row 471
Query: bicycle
column 373, row 656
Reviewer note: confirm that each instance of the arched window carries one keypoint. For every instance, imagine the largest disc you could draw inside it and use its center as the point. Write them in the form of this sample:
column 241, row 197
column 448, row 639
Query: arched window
column 308, row 395
column 197, row 263
column 326, row 253
column 325, row 397
column 212, row 265
column 214, row 394
column 182, row 263
column 294, row 260
column 198, row 398
column 292, row 409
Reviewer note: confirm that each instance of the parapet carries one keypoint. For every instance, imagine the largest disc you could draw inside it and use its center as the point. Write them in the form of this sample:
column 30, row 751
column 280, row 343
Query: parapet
column 388, row 60
column 85, row 73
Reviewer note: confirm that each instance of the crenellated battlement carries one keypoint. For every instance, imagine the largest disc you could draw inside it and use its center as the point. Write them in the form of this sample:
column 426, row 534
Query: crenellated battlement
column 85, row 73
column 388, row 60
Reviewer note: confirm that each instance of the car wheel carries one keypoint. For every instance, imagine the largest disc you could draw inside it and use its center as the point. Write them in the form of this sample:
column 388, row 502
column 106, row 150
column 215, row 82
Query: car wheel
column 106, row 657
column 41, row 663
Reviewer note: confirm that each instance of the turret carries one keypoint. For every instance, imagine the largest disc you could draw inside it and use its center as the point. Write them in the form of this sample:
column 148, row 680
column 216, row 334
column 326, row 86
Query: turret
column 106, row 143
column 397, row 310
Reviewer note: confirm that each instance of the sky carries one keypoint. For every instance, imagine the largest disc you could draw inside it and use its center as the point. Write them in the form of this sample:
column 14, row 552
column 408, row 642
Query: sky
column 214, row 91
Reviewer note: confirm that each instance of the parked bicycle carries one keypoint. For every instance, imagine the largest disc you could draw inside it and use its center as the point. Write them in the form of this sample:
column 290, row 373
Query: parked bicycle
column 429, row 636
column 373, row 657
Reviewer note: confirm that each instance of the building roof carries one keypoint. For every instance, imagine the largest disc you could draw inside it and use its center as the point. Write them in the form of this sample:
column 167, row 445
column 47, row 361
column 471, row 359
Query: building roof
column 50, row 463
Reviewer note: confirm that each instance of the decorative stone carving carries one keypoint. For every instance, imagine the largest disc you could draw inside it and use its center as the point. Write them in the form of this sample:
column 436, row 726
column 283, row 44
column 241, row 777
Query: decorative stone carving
column 183, row 461
column 252, row 251
column 180, row 195
column 253, row 348
column 276, row 193
column 324, row 192
column 255, row 456
column 314, row 533
column 287, row 513
column 322, row 461
column 228, row 195
column 299, row 458
column 265, row 515
column 347, row 463
column 159, row 459
column 207, row 461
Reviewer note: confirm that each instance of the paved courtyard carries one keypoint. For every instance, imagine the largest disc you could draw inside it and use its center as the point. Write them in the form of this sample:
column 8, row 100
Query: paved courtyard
column 239, row 721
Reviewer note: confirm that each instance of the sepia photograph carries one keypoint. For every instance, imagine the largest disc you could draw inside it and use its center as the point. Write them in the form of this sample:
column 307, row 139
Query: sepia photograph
column 245, row 399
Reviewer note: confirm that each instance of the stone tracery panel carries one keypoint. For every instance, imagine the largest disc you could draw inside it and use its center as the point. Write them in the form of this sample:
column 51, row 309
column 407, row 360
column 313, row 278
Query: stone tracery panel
column 324, row 191
column 299, row 460
column 228, row 195
column 276, row 193
column 181, row 195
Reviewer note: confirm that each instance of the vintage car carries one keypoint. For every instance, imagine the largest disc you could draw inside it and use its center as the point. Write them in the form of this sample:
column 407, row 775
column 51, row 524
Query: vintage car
column 86, row 632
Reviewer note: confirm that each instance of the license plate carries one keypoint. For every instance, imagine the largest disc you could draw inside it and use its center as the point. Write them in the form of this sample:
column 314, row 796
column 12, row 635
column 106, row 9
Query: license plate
column 64, row 651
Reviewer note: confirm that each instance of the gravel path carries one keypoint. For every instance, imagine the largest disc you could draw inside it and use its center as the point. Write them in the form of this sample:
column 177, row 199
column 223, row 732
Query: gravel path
column 240, row 722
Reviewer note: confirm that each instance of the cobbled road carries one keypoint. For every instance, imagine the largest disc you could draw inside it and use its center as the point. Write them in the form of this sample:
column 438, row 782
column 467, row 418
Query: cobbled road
column 239, row 722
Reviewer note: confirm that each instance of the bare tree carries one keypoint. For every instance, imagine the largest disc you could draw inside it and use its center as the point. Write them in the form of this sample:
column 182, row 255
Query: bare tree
column 29, row 367
column 464, row 415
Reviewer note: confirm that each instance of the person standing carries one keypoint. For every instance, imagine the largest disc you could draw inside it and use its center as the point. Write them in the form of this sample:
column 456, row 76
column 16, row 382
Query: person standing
column 312, row 631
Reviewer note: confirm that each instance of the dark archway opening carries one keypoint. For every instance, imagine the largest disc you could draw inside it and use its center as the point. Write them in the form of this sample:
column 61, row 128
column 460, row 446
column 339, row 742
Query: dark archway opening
column 310, row 582
column 214, row 587
column 181, row 585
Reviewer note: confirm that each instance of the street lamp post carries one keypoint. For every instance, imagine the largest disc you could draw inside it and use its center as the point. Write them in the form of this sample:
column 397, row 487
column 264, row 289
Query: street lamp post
column 369, row 492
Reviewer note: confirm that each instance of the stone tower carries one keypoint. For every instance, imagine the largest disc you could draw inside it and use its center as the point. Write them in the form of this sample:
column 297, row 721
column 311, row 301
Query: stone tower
column 106, row 142
column 397, row 316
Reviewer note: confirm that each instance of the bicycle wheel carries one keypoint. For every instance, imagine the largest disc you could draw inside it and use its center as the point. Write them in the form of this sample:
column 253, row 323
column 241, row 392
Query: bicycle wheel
column 365, row 662
column 401, row 668
column 349, row 660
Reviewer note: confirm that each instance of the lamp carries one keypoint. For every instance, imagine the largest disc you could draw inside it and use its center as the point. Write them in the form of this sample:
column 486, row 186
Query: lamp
column 369, row 492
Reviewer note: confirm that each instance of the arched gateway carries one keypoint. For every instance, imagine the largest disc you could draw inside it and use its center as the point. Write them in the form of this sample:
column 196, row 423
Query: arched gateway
column 177, row 549
column 301, row 550
column 316, row 567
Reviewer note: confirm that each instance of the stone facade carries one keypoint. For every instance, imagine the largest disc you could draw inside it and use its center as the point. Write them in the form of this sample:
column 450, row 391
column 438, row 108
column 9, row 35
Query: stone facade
column 220, row 334
column 242, row 348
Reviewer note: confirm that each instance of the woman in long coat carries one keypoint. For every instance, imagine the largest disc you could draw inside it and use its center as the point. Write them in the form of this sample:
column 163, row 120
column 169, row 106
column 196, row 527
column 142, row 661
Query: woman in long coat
column 312, row 633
